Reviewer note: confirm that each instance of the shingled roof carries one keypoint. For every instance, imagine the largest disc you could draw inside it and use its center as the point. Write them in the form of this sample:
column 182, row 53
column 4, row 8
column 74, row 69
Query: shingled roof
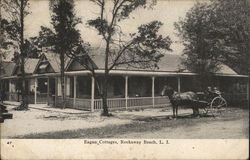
column 7, row 68
column 54, row 60
column 29, row 66
column 168, row 63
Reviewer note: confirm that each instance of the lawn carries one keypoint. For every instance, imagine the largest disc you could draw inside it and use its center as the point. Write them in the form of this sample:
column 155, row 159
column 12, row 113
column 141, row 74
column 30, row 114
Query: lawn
column 150, row 123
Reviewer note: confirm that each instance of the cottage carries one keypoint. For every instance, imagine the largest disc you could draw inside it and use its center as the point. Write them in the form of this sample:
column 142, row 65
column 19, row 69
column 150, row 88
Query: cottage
column 128, row 87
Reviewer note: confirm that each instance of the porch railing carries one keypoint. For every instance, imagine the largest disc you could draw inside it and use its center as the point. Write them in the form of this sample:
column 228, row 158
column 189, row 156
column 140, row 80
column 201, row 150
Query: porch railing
column 161, row 101
column 132, row 102
column 82, row 104
column 111, row 102
column 12, row 96
column 42, row 98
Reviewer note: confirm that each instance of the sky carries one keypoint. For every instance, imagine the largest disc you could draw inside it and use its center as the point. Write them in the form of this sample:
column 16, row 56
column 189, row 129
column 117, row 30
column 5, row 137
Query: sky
column 166, row 11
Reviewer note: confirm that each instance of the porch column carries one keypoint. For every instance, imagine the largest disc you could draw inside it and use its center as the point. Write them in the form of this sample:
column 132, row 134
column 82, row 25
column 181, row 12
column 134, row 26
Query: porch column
column 153, row 91
column 56, row 91
column 179, row 83
column 48, row 90
column 74, row 90
column 10, row 90
column 35, row 91
column 92, row 93
column 248, row 91
column 65, row 87
column 126, row 92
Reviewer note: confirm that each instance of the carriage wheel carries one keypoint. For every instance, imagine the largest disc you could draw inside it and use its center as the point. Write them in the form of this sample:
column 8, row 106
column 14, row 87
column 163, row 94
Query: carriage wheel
column 218, row 102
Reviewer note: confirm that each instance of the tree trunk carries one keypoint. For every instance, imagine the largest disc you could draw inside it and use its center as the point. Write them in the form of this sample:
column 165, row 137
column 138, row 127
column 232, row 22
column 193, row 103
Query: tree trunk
column 105, row 85
column 62, row 79
column 24, row 102
column 104, row 97
column 1, row 89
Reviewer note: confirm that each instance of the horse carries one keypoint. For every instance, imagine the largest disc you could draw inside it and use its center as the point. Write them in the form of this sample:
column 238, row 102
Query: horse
column 187, row 99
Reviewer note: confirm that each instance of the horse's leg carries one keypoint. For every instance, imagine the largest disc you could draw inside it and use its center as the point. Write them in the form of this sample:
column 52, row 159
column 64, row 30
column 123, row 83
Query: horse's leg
column 173, row 111
column 195, row 111
column 198, row 111
column 176, row 112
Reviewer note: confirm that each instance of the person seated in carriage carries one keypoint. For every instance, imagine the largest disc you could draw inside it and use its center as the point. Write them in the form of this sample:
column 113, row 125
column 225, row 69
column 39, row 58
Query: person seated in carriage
column 216, row 91
column 211, row 93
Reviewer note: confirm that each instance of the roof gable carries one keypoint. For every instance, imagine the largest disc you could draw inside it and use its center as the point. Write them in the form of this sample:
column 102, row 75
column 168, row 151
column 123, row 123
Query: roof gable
column 29, row 66
column 224, row 69
column 53, row 62
column 44, row 67
column 7, row 68
column 74, row 65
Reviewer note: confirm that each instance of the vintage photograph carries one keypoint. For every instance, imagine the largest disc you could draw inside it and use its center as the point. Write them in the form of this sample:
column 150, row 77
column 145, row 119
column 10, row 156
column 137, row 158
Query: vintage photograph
column 124, row 69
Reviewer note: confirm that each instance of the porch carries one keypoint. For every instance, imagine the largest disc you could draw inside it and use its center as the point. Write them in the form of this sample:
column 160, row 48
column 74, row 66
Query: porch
column 134, row 91
column 124, row 92
column 39, row 90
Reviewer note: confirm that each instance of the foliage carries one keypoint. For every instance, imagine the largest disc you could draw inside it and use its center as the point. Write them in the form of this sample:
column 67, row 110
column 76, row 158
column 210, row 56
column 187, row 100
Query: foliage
column 233, row 33
column 11, row 40
column 200, row 48
column 46, row 38
column 14, row 15
column 64, row 21
column 11, row 20
column 214, row 33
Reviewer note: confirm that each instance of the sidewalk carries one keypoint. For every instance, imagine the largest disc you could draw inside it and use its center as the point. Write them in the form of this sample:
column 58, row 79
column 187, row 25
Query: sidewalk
column 45, row 107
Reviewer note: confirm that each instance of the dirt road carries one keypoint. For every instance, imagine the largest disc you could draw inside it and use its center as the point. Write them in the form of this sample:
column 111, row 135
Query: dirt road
column 152, row 123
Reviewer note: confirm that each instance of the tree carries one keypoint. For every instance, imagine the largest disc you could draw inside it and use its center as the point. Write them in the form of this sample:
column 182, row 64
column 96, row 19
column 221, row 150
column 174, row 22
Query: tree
column 214, row 33
column 14, row 12
column 65, row 36
column 232, row 27
column 140, row 50
column 46, row 38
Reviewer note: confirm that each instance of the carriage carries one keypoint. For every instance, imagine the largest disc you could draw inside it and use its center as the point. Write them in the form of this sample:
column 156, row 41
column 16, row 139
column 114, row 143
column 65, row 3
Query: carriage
column 211, row 101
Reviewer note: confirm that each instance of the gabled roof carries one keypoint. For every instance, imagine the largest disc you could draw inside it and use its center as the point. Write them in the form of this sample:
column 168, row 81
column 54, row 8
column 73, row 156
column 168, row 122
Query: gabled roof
column 168, row 63
column 7, row 68
column 53, row 59
column 224, row 69
column 29, row 66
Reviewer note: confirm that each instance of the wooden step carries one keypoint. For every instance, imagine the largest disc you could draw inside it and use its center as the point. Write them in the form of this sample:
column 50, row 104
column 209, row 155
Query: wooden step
column 1, row 120
column 3, row 111
column 2, row 107
column 7, row 115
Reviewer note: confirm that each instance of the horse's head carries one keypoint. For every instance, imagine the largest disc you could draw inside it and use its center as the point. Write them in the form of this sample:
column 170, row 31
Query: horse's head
column 167, row 90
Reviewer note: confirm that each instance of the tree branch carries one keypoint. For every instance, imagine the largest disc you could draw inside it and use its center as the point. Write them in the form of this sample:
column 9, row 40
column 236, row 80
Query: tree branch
column 120, row 53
